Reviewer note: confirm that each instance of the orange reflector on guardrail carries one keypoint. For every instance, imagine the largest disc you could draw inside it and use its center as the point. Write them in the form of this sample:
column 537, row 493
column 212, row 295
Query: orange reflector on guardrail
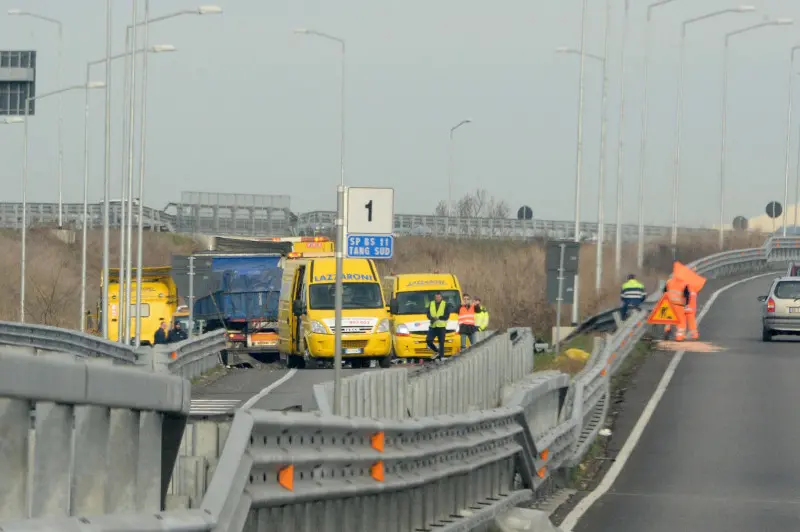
column 173, row 355
column 603, row 372
column 377, row 471
column 377, row 441
column 286, row 477
column 542, row 472
column 544, row 454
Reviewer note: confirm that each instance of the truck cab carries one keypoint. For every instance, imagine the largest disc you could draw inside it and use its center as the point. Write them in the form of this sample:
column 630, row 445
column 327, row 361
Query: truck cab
column 410, row 296
column 307, row 308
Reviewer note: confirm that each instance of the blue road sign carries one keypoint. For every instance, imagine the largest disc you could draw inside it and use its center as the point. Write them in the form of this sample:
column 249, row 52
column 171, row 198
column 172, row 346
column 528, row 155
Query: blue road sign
column 370, row 246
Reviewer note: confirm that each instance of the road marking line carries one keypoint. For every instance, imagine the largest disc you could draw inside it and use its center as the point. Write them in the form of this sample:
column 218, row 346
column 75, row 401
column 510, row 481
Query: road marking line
column 263, row 393
column 571, row 520
column 203, row 406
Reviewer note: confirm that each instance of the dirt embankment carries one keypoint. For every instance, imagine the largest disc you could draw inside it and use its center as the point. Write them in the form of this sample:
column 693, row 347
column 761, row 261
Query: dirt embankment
column 508, row 276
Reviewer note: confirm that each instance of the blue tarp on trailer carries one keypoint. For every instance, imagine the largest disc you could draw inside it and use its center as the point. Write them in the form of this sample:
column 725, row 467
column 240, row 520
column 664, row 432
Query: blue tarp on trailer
column 246, row 288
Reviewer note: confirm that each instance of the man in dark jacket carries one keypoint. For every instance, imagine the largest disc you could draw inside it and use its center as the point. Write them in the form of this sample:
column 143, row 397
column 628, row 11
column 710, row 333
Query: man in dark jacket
column 160, row 337
column 438, row 314
column 177, row 334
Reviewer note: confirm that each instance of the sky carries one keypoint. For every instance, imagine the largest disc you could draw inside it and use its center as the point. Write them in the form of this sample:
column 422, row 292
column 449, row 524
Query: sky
column 246, row 106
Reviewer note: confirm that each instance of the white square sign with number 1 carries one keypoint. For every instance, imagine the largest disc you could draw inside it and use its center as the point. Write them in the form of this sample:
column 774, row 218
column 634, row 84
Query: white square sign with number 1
column 370, row 211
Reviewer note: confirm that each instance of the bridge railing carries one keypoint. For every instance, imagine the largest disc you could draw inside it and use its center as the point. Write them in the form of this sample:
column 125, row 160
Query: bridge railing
column 103, row 439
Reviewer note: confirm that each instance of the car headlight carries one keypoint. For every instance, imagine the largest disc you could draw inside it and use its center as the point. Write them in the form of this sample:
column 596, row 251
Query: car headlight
column 318, row 327
column 402, row 330
column 383, row 326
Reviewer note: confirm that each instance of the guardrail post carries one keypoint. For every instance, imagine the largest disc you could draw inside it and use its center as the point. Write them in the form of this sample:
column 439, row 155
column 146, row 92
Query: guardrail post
column 123, row 454
column 91, row 445
column 15, row 422
column 148, row 482
column 51, row 463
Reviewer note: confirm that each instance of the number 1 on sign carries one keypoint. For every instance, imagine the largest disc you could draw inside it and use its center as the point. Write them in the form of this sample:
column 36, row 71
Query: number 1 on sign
column 368, row 206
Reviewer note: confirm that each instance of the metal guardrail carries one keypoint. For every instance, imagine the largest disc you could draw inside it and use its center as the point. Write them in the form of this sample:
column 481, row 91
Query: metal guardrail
column 298, row 470
column 190, row 358
column 103, row 437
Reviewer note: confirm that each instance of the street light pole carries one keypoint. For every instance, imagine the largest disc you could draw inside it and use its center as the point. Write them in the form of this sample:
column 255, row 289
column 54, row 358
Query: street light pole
column 28, row 100
column 579, row 161
column 340, row 236
column 620, row 147
column 788, row 140
column 106, row 175
column 723, row 143
column 60, row 114
column 679, row 118
column 601, row 181
column 450, row 206
column 154, row 49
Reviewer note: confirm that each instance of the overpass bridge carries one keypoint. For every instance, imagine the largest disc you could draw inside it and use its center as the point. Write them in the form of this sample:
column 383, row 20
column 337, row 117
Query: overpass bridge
column 451, row 448
column 207, row 216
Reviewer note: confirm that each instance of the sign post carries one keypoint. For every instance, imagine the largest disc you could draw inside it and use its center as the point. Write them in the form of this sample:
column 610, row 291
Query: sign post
column 561, row 262
column 365, row 224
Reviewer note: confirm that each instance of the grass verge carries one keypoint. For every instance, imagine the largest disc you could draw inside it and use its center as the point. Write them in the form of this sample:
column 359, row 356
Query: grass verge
column 562, row 362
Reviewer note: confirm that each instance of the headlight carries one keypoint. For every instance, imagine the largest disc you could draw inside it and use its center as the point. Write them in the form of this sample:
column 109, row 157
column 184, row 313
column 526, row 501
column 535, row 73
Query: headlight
column 318, row 328
column 402, row 330
column 383, row 326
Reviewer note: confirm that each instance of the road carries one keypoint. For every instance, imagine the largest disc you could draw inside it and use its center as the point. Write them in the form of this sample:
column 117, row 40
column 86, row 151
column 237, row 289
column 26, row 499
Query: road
column 277, row 388
column 720, row 450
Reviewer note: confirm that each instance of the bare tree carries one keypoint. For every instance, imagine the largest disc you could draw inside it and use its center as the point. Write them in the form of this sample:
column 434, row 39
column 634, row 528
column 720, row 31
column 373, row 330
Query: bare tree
column 478, row 204
column 51, row 297
column 441, row 209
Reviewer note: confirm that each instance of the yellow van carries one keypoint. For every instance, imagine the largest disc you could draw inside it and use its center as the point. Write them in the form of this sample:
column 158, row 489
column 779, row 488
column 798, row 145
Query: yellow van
column 306, row 313
column 410, row 296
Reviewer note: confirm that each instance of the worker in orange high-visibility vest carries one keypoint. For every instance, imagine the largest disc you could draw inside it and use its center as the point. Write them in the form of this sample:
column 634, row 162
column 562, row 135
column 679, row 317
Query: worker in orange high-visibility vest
column 690, row 310
column 466, row 321
column 678, row 294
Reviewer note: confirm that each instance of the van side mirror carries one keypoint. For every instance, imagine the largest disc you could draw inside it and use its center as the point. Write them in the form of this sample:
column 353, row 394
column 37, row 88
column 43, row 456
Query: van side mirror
column 762, row 298
column 297, row 308
column 393, row 306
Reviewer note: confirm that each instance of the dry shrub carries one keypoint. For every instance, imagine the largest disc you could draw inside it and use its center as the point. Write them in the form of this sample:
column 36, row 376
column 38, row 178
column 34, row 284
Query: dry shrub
column 509, row 276
column 53, row 272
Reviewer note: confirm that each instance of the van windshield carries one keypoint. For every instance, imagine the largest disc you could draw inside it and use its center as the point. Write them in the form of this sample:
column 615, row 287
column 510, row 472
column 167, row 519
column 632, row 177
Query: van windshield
column 788, row 290
column 420, row 302
column 354, row 295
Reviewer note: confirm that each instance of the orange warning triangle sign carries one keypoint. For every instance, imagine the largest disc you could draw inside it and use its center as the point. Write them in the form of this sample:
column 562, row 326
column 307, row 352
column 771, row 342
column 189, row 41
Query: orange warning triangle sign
column 663, row 313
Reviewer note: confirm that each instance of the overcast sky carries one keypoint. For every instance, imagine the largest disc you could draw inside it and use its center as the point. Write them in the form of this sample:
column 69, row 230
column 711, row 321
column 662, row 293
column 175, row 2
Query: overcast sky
column 246, row 106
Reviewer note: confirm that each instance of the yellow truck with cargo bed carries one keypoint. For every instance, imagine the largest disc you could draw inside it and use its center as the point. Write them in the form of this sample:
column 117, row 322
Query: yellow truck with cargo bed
column 306, row 313
column 159, row 302
column 410, row 296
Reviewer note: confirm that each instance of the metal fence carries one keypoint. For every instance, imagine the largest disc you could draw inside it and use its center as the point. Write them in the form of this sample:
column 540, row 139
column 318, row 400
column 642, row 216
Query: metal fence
column 246, row 215
column 303, row 471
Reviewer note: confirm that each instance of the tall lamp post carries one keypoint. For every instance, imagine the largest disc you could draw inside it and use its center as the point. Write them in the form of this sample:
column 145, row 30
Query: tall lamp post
column 450, row 207
column 126, row 211
column 601, row 181
column 340, row 236
column 579, row 160
column 679, row 116
column 643, row 145
column 724, row 125
column 620, row 146
column 20, row 12
column 28, row 100
column 788, row 142
column 154, row 49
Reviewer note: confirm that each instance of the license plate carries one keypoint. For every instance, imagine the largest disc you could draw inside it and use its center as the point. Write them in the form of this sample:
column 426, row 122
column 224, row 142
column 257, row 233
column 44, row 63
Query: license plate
column 267, row 343
column 353, row 351
column 794, row 310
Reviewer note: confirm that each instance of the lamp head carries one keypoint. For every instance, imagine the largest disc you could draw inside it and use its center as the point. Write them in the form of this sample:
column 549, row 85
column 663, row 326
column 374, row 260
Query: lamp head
column 159, row 48
column 301, row 31
column 96, row 85
column 745, row 9
column 783, row 21
column 15, row 12
column 209, row 10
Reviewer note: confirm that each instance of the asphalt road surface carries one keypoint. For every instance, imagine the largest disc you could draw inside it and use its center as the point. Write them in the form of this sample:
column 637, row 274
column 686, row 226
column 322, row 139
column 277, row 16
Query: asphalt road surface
column 720, row 452
column 281, row 389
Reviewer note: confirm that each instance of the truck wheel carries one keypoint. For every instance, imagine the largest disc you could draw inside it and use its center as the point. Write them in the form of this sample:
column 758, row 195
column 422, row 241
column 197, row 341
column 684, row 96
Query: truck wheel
column 294, row 361
column 385, row 362
column 310, row 362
